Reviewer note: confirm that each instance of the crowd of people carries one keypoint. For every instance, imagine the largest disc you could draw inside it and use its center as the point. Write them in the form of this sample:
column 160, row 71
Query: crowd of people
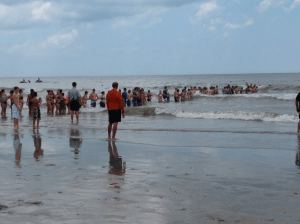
column 61, row 103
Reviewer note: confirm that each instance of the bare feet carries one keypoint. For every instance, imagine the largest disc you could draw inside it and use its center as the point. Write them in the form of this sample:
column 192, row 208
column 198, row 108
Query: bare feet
column 114, row 139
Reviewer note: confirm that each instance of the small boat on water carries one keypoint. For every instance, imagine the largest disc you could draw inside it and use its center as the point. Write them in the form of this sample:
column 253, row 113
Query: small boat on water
column 38, row 81
column 23, row 81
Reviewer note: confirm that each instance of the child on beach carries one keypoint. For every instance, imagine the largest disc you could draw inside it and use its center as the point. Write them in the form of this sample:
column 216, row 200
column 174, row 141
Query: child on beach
column 149, row 96
column 129, row 98
column 36, row 103
column 124, row 95
column 159, row 97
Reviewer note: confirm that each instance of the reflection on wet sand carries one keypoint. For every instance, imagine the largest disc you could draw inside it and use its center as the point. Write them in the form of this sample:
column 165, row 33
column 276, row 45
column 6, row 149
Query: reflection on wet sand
column 17, row 147
column 37, row 140
column 115, row 161
column 297, row 161
column 75, row 140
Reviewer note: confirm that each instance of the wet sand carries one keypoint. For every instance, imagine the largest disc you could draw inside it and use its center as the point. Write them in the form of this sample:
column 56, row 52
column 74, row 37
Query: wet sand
column 81, row 178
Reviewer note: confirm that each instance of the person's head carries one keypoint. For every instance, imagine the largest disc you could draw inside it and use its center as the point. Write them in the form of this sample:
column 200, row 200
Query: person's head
column 94, row 90
column 63, row 94
column 129, row 91
column 11, row 92
column 177, row 90
column 34, row 94
column 60, row 91
column 120, row 90
column 86, row 92
column 115, row 85
column 31, row 91
column 148, row 91
column 74, row 84
column 165, row 87
column 125, row 89
column 21, row 91
column 16, row 89
column 48, row 91
column 159, row 91
column 2, row 91
column 102, row 92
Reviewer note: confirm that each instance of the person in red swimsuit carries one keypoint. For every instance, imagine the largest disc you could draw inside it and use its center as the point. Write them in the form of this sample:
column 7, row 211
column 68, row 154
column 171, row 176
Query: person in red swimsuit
column 114, row 102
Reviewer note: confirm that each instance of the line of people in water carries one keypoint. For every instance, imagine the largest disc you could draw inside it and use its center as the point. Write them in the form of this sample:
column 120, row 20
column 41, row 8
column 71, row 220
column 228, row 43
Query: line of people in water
column 59, row 103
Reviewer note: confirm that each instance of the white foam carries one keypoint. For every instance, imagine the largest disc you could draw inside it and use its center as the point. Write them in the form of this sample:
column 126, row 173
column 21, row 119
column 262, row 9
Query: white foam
column 283, row 96
column 239, row 115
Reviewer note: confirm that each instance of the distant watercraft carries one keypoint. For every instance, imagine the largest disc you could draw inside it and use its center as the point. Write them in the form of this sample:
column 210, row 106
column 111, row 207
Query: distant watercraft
column 23, row 81
column 38, row 81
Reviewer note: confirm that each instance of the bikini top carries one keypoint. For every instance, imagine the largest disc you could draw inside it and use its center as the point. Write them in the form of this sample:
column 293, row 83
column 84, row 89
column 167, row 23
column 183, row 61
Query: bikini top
column 3, row 97
column 102, row 98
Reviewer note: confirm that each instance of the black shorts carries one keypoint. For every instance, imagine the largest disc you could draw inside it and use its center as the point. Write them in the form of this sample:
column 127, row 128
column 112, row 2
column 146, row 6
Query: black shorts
column 114, row 116
column 74, row 105
column 102, row 104
column 176, row 100
column 30, row 104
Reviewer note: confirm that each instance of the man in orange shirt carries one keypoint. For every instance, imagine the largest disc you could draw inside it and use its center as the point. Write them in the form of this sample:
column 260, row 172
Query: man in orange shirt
column 114, row 102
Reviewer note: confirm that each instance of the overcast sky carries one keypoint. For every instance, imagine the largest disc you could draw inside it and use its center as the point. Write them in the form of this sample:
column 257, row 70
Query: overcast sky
column 148, row 37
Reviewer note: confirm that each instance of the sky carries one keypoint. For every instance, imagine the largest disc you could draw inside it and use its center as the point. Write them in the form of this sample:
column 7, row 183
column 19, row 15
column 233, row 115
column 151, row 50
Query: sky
column 148, row 37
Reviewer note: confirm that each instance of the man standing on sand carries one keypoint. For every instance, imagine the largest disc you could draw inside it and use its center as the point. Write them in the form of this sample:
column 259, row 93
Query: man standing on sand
column 114, row 101
column 297, row 102
column 74, row 97
column 16, row 107
column 93, row 97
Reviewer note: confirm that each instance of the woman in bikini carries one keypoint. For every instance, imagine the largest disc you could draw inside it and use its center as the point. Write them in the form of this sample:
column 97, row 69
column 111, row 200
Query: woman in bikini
column 102, row 99
column 21, row 101
column 48, row 102
column 85, row 98
column 58, row 98
column 4, row 99
column 52, row 97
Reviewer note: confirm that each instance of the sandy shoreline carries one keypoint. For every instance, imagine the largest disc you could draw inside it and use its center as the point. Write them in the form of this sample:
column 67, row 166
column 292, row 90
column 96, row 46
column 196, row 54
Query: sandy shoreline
column 161, row 184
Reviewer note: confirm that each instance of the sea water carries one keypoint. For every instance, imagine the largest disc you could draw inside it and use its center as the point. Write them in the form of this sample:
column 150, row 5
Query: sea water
column 271, row 110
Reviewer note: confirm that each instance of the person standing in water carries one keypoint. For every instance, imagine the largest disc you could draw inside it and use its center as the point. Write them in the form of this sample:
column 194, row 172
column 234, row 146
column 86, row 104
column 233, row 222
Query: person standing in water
column 297, row 102
column 93, row 97
column 114, row 102
column 16, row 107
column 4, row 99
column 75, row 98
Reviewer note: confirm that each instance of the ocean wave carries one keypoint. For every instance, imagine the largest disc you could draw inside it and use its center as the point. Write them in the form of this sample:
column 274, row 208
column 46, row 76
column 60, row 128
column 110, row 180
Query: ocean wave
column 283, row 96
column 239, row 115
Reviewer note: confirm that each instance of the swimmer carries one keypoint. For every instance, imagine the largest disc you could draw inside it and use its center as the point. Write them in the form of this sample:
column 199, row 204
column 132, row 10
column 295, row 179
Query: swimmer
column 129, row 97
column 149, row 96
column 102, row 99
column 159, row 96
column 93, row 97
column 85, row 98
column 4, row 99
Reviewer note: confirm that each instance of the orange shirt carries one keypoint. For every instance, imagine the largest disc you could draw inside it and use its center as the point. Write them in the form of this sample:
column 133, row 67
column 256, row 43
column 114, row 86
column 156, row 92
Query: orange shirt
column 114, row 100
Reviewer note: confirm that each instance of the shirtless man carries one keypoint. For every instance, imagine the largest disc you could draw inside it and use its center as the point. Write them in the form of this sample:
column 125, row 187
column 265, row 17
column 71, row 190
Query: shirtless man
column 16, row 107
column 176, row 95
column 36, row 104
column 217, row 90
column 183, row 96
column 159, row 96
column 93, row 97
column 149, row 96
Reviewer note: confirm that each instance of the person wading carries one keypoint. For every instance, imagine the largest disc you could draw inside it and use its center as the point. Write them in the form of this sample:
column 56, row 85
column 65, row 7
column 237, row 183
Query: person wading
column 75, row 98
column 114, row 101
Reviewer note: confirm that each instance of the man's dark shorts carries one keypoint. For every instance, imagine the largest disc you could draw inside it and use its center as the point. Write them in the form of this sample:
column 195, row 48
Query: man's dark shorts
column 74, row 105
column 114, row 116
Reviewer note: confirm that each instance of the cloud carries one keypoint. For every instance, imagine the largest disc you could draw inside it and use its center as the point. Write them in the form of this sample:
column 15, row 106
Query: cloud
column 295, row 4
column 152, row 22
column 236, row 26
column 205, row 9
column 266, row 4
column 26, row 14
column 59, row 40
column 211, row 28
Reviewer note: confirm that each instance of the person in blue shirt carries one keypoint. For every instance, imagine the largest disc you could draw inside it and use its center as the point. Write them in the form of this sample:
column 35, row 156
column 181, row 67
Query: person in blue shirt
column 124, row 95
column 165, row 94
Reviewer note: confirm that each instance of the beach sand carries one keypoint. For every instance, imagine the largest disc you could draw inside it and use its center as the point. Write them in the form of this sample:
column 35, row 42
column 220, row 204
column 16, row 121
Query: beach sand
column 81, row 178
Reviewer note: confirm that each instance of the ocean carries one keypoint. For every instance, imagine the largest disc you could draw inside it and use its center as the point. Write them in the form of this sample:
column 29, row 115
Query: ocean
column 271, row 110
